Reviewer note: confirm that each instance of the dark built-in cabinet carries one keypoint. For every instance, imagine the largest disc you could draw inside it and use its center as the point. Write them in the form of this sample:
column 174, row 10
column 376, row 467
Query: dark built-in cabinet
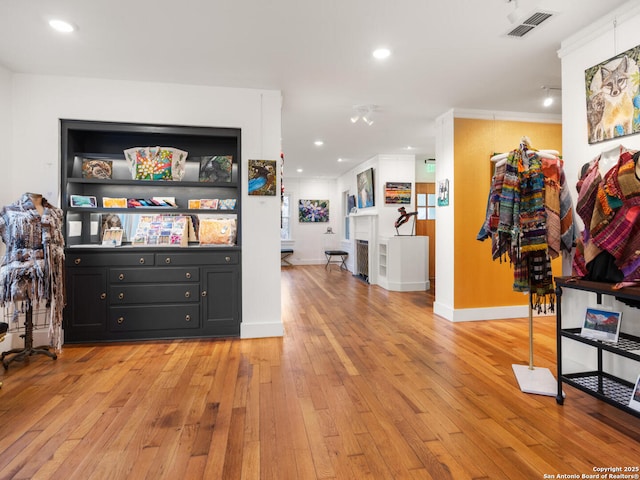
column 127, row 292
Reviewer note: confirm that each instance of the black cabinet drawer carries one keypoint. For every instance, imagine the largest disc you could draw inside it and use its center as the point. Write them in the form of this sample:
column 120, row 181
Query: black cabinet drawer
column 154, row 317
column 148, row 275
column 152, row 294
column 197, row 258
column 102, row 260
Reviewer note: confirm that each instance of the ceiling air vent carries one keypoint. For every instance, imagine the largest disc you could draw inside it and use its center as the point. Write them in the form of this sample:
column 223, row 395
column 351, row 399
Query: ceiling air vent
column 526, row 26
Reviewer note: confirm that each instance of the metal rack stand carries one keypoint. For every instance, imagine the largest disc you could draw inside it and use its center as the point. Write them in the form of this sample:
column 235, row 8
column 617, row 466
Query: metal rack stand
column 28, row 350
column 534, row 379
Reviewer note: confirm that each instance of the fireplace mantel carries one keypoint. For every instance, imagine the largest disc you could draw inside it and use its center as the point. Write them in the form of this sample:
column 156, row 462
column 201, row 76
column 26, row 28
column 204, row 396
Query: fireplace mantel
column 364, row 226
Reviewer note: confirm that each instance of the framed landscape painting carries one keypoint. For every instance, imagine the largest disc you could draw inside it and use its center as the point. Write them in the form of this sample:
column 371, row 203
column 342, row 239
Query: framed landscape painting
column 397, row 193
column 600, row 324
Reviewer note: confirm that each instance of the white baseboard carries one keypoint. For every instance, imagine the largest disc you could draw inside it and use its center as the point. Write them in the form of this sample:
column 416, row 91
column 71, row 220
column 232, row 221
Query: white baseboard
column 261, row 330
column 479, row 314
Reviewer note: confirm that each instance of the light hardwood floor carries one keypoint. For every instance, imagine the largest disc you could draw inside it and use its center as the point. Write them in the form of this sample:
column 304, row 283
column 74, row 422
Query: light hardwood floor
column 365, row 384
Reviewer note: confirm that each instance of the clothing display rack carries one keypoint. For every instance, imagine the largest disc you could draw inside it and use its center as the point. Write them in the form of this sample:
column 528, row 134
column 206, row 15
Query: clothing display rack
column 533, row 379
column 28, row 350
column 535, row 263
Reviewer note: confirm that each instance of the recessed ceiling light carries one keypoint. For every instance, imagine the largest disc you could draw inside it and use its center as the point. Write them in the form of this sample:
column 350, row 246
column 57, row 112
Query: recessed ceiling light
column 61, row 26
column 299, row 170
column 381, row 53
column 408, row 147
column 318, row 143
column 339, row 160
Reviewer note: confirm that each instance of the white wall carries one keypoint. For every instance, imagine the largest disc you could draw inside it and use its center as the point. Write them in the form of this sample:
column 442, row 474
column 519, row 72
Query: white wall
column 425, row 170
column 40, row 101
column 309, row 240
column 386, row 168
column 6, row 108
column 589, row 47
column 443, row 304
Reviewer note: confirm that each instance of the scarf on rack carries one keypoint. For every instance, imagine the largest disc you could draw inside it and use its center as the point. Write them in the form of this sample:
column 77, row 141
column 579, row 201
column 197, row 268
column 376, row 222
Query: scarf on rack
column 32, row 269
column 523, row 226
column 610, row 209
column 615, row 224
column 557, row 201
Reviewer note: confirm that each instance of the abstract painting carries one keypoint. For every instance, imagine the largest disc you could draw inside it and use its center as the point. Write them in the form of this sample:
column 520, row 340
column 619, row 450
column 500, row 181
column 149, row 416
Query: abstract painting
column 366, row 197
column 397, row 193
column 313, row 211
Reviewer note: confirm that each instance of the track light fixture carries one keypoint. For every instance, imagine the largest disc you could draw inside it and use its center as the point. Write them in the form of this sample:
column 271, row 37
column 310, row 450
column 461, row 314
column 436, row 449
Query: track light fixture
column 364, row 113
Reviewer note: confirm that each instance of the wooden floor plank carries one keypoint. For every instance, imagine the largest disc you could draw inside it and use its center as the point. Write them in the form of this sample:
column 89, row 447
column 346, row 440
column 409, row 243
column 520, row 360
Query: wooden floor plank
column 365, row 383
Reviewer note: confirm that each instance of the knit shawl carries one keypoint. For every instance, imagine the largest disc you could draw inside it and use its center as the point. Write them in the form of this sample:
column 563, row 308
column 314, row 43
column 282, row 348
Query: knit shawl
column 610, row 209
column 32, row 270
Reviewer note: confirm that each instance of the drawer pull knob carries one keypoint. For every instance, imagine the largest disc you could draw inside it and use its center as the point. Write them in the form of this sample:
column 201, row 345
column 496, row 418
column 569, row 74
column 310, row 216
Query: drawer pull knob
column 187, row 294
column 188, row 318
column 204, row 293
column 121, row 295
column 121, row 276
column 227, row 259
column 120, row 320
column 77, row 261
column 141, row 260
column 103, row 296
column 167, row 260
column 188, row 275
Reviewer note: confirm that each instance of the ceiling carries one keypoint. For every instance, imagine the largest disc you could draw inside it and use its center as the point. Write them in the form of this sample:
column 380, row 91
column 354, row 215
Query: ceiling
column 445, row 54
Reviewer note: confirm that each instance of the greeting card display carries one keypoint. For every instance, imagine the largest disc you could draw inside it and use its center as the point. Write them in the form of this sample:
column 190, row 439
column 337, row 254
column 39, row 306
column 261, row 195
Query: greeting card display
column 165, row 230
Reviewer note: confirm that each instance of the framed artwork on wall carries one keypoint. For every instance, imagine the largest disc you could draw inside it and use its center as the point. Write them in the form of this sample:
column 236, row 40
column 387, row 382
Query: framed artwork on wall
column 397, row 193
column 613, row 97
column 312, row 211
column 262, row 177
column 443, row 193
column 366, row 193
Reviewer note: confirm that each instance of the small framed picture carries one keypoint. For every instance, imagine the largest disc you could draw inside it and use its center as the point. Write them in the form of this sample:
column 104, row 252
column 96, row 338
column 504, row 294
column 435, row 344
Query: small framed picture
column 109, row 202
column 112, row 237
column 83, row 201
column 601, row 324
column 635, row 396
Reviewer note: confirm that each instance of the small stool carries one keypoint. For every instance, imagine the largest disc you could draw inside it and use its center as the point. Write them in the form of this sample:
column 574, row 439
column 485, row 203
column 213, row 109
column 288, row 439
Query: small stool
column 336, row 253
column 285, row 253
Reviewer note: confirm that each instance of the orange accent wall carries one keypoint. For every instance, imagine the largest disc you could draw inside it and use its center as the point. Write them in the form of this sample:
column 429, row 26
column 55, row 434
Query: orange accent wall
column 481, row 282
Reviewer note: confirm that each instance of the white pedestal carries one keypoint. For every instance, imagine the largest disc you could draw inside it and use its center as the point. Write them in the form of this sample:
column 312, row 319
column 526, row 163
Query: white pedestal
column 539, row 380
column 404, row 263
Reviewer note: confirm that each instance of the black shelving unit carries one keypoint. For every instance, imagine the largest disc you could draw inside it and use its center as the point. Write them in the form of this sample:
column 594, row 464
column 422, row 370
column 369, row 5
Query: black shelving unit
column 599, row 383
column 147, row 292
